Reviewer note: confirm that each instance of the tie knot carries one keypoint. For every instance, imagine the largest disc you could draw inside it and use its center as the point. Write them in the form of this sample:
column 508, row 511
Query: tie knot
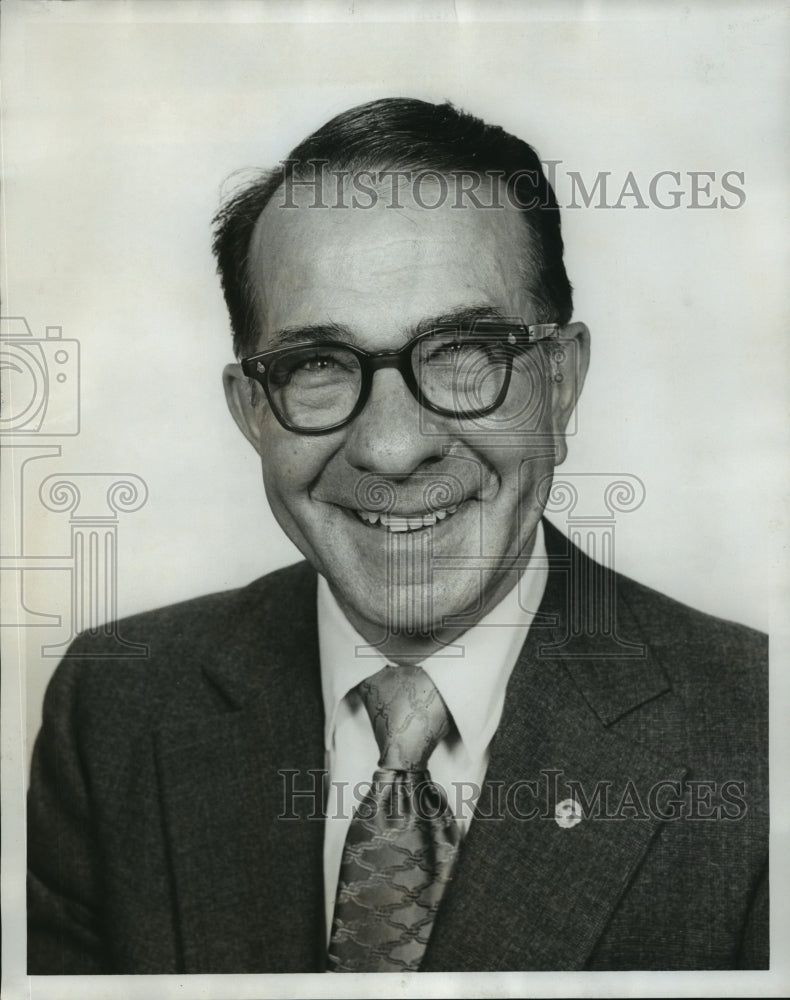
column 408, row 716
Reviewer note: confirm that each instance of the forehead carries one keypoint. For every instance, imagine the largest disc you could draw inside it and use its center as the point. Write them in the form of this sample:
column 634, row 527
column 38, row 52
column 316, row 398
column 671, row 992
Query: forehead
column 382, row 267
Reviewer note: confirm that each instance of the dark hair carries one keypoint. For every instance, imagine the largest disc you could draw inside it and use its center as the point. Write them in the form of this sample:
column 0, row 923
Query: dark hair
column 402, row 134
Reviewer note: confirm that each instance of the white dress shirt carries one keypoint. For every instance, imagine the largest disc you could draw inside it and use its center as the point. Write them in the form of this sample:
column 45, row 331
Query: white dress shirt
column 471, row 676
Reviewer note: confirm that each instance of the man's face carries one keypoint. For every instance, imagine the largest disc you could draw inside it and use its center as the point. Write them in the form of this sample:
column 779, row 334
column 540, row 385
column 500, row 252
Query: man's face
column 377, row 275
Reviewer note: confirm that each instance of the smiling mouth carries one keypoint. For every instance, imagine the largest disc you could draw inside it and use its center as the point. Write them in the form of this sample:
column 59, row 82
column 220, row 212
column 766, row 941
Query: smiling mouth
column 405, row 522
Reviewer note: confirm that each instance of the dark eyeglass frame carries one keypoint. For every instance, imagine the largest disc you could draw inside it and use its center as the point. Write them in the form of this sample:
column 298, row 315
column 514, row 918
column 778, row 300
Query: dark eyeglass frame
column 514, row 335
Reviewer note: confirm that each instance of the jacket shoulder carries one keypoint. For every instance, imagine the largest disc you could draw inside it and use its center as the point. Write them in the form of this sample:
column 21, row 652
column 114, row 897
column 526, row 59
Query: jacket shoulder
column 718, row 674
column 680, row 632
column 177, row 648
column 677, row 632
column 221, row 612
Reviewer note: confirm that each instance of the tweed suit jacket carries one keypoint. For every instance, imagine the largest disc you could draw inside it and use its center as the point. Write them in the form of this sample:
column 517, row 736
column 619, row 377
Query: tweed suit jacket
column 161, row 841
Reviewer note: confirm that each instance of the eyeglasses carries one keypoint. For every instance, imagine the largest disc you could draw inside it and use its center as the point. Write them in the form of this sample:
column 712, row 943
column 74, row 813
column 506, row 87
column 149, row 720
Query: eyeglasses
column 455, row 371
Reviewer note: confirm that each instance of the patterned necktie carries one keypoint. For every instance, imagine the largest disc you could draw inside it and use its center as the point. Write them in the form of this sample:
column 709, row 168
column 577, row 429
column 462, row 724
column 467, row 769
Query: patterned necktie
column 402, row 842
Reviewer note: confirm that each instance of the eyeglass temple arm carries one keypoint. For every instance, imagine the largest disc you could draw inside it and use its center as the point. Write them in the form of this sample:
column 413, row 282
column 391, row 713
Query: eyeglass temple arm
column 395, row 359
column 542, row 331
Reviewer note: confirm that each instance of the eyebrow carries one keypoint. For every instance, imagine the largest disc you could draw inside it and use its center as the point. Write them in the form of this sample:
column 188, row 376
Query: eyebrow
column 313, row 332
column 459, row 317
column 337, row 333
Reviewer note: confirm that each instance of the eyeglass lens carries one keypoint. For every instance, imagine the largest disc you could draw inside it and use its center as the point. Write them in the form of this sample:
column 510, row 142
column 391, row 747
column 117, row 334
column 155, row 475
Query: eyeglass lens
column 315, row 388
column 318, row 386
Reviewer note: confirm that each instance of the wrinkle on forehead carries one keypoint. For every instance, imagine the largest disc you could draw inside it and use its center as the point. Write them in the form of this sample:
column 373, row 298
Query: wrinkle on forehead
column 378, row 245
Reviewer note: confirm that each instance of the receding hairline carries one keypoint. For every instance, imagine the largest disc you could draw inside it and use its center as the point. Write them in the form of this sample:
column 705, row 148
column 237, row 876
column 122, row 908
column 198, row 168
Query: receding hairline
column 528, row 263
column 402, row 133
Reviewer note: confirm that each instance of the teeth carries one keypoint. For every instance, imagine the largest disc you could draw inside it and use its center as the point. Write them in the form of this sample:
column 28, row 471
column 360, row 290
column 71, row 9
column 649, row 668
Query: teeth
column 401, row 522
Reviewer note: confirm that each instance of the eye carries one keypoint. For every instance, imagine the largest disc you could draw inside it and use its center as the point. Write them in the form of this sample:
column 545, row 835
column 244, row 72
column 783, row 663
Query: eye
column 325, row 363
column 461, row 349
column 313, row 365
column 444, row 350
column 321, row 362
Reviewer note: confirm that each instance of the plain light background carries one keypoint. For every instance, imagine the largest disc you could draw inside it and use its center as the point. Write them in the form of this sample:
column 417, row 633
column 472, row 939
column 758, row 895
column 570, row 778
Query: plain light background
column 125, row 122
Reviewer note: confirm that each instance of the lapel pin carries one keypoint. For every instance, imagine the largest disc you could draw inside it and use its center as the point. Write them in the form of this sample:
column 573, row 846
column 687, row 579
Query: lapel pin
column 567, row 814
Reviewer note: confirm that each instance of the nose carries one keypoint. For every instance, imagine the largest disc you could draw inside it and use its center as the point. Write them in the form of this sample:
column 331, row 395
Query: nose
column 394, row 435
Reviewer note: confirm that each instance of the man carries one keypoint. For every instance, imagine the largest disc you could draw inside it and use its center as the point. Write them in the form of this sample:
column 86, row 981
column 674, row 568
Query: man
column 448, row 741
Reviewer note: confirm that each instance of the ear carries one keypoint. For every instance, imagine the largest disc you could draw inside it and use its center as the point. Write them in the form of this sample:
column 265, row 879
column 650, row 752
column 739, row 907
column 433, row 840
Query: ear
column 244, row 402
column 569, row 360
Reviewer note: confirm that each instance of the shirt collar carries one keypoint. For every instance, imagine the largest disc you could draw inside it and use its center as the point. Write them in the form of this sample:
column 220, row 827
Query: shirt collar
column 471, row 674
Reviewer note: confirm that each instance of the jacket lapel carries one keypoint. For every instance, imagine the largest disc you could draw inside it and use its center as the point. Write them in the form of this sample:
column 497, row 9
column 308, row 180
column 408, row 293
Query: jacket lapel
column 246, row 856
column 539, row 894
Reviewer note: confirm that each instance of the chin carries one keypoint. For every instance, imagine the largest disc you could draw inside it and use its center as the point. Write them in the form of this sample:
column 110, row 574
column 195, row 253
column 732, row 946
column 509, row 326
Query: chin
column 414, row 614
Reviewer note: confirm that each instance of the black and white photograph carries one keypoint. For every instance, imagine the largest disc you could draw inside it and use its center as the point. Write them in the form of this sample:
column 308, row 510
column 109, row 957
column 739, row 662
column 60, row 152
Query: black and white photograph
column 394, row 427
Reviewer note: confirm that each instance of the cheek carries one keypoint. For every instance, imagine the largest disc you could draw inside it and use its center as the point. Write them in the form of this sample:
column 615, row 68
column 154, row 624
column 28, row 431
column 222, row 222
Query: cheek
column 291, row 464
column 528, row 406
column 525, row 480
column 284, row 468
